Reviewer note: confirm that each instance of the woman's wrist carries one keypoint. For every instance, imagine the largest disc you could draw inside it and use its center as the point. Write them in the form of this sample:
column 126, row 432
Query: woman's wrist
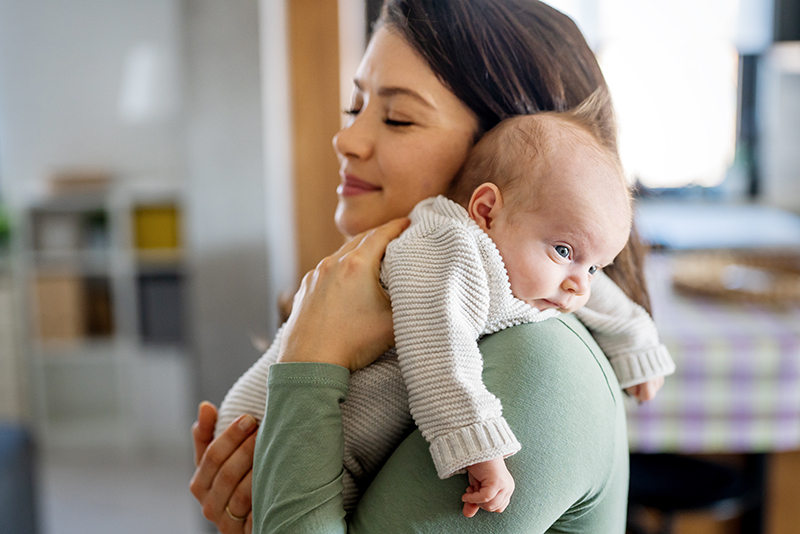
column 324, row 357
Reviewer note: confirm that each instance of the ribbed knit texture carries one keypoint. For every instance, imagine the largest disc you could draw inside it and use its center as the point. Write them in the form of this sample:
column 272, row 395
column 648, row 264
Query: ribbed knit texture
column 449, row 287
column 626, row 333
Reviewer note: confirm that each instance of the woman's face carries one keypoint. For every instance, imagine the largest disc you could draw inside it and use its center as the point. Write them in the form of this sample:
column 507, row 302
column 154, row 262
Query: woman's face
column 405, row 140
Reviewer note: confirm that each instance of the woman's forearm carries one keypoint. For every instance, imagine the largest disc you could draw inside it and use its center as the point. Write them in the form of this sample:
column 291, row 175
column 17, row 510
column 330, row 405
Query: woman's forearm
column 297, row 482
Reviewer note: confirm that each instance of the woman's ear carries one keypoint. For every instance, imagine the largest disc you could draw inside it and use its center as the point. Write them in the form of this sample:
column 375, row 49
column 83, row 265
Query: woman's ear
column 485, row 204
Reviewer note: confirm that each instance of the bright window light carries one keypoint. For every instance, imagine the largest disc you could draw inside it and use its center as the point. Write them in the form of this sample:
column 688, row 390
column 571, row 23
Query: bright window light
column 672, row 70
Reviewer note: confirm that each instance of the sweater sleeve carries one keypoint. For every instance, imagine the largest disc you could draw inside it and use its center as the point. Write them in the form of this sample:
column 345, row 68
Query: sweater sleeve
column 440, row 304
column 248, row 395
column 626, row 333
column 571, row 477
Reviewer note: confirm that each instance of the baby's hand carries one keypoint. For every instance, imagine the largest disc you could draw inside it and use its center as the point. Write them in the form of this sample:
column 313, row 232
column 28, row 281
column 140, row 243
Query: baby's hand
column 490, row 487
column 647, row 390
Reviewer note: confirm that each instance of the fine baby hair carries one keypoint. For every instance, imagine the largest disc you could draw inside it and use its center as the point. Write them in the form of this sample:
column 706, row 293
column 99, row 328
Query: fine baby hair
column 517, row 155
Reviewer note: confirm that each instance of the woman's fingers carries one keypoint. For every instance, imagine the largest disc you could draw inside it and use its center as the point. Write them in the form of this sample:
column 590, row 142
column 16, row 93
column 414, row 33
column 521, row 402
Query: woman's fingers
column 340, row 313
column 203, row 429
column 223, row 464
column 230, row 478
column 240, row 502
column 374, row 242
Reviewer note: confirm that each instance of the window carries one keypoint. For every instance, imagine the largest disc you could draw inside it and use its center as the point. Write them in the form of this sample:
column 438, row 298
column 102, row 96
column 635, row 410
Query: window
column 672, row 68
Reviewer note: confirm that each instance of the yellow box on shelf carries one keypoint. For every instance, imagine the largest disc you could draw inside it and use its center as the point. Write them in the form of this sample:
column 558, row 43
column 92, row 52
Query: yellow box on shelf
column 157, row 227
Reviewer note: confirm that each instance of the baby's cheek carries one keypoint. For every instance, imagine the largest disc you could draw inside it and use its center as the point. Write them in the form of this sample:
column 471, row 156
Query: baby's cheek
column 578, row 302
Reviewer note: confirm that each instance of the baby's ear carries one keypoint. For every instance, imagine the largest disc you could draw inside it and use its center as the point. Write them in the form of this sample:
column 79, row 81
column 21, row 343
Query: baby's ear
column 484, row 205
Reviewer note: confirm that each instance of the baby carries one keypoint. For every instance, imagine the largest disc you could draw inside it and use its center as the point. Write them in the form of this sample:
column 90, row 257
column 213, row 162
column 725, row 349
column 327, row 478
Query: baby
column 539, row 209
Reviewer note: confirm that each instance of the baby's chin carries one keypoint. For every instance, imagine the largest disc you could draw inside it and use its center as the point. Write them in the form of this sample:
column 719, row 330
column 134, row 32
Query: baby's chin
column 542, row 304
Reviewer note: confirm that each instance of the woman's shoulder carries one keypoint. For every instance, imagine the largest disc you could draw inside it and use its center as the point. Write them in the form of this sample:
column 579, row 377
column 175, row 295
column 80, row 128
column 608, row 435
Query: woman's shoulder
column 552, row 367
column 559, row 348
column 563, row 401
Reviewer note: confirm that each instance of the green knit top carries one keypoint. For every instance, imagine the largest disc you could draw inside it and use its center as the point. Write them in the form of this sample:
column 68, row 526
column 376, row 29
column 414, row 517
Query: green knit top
column 559, row 395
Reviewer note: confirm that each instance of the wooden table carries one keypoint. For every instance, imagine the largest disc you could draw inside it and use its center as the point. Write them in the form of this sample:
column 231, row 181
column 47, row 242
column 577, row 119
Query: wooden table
column 737, row 384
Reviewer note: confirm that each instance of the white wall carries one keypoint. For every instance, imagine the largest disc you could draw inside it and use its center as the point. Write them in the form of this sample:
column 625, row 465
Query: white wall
column 231, row 295
column 61, row 71
column 779, row 114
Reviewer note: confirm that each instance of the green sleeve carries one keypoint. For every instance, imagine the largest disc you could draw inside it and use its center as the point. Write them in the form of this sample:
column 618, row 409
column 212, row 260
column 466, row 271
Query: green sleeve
column 560, row 397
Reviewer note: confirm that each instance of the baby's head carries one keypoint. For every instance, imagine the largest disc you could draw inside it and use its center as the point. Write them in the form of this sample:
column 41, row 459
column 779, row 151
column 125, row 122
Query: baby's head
column 554, row 200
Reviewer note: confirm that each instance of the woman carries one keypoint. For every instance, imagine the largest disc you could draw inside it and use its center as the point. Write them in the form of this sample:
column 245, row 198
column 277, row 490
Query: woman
column 437, row 75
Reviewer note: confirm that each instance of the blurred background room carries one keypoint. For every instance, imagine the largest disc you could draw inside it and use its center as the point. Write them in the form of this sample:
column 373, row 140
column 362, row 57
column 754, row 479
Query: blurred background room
column 161, row 189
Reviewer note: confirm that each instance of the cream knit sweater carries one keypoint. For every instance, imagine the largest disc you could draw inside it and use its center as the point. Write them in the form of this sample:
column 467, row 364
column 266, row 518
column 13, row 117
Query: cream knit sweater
column 449, row 287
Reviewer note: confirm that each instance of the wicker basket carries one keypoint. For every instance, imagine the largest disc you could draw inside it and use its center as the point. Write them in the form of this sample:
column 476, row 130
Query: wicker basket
column 762, row 277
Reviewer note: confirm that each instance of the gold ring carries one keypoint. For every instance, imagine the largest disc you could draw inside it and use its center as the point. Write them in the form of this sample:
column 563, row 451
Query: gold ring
column 232, row 516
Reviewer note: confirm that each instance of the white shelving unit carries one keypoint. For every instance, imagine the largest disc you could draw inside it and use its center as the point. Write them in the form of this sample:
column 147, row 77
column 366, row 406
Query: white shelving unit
column 12, row 407
column 100, row 378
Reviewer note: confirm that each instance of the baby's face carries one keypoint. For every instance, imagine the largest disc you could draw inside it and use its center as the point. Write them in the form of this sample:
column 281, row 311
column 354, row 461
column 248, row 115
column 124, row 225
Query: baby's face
column 552, row 253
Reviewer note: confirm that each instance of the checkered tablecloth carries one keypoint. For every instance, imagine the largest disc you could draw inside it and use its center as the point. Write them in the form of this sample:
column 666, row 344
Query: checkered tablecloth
column 737, row 384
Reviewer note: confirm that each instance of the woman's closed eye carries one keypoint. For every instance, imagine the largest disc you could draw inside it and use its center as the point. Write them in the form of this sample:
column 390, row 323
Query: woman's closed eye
column 395, row 122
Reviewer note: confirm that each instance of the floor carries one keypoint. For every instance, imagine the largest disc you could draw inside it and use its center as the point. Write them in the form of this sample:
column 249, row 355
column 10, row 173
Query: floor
column 121, row 494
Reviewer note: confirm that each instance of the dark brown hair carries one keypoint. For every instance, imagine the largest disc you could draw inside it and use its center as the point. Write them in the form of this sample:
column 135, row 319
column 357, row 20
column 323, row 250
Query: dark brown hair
column 504, row 58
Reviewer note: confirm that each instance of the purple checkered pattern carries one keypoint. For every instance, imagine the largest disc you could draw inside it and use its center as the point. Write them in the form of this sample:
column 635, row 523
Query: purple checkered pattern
column 737, row 384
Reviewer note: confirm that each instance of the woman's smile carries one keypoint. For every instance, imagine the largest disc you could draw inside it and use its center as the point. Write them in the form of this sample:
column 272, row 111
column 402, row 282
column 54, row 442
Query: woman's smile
column 406, row 137
column 352, row 186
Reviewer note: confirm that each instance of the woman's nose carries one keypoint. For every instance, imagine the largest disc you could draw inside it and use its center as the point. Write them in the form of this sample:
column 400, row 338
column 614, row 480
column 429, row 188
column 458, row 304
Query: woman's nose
column 353, row 141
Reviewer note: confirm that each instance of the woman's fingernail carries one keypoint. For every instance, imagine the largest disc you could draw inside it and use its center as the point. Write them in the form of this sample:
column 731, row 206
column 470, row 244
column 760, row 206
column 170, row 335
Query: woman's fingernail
column 247, row 423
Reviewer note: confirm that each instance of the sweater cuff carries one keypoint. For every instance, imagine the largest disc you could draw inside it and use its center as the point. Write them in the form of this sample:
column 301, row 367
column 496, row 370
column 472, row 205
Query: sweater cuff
column 637, row 368
column 466, row 446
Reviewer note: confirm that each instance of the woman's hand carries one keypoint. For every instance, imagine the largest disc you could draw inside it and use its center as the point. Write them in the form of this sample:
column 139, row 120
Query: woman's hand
column 341, row 315
column 223, row 479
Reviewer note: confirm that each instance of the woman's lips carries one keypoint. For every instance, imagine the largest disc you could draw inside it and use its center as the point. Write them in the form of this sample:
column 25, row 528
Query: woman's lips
column 352, row 186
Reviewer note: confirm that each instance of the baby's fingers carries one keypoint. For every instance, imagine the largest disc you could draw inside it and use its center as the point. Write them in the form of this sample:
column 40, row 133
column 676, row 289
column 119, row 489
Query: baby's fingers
column 470, row 509
column 480, row 495
column 498, row 504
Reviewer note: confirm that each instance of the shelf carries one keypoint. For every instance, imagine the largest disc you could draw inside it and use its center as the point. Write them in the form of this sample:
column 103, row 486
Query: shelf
column 105, row 297
column 83, row 351
column 90, row 433
column 157, row 258
column 160, row 297
column 87, row 262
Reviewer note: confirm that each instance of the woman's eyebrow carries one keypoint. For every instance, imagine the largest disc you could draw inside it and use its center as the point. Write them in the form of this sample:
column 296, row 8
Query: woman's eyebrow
column 389, row 91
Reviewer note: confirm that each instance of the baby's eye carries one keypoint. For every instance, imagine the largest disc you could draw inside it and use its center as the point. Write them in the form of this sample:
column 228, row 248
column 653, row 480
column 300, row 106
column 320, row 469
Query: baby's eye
column 593, row 269
column 562, row 251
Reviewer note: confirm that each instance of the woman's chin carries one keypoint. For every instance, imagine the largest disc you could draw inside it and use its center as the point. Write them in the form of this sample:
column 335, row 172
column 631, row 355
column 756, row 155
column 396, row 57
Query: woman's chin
column 348, row 225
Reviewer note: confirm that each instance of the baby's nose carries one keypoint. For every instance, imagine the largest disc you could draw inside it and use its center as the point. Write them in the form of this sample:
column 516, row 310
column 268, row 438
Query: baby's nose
column 577, row 283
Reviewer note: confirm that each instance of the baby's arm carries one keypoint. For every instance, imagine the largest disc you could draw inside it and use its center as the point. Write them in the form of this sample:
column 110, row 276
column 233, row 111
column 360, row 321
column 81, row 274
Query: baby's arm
column 440, row 303
column 249, row 394
column 646, row 390
column 628, row 336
